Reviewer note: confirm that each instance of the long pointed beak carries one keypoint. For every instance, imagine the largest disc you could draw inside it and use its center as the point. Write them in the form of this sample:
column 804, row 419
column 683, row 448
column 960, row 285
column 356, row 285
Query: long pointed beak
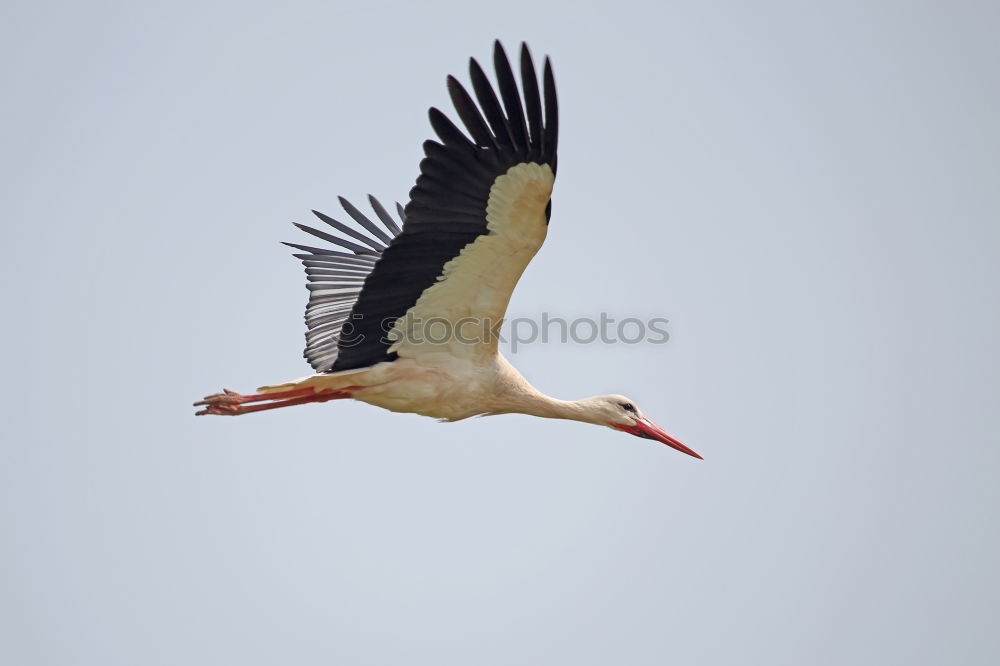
column 649, row 430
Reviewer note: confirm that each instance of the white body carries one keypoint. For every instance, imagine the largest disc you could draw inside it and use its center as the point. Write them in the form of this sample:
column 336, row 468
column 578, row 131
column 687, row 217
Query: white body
column 443, row 387
column 454, row 379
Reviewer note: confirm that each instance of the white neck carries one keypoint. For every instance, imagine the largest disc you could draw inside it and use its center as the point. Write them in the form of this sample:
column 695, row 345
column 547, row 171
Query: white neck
column 515, row 395
column 540, row 404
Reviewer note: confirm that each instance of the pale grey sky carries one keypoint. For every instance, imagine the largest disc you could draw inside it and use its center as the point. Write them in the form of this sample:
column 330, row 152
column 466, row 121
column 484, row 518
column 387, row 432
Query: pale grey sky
column 807, row 191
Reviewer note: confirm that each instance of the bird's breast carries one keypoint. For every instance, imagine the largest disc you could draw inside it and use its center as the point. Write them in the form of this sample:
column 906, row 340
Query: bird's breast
column 445, row 389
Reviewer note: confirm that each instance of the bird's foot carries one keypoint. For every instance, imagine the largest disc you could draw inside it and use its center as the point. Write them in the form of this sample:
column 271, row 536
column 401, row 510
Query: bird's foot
column 231, row 403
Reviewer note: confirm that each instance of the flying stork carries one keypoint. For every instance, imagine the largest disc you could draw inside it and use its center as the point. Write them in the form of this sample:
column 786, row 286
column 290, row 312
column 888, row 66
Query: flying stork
column 405, row 318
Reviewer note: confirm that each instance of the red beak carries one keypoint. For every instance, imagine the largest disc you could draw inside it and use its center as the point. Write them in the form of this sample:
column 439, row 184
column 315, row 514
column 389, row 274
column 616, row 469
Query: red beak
column 648, row 430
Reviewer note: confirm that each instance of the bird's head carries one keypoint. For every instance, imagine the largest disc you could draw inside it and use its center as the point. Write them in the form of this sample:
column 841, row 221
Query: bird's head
column 620, row 413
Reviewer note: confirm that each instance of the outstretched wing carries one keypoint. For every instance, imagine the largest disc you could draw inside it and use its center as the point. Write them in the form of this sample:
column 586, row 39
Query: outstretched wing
column 476, row 216
column 335, row 277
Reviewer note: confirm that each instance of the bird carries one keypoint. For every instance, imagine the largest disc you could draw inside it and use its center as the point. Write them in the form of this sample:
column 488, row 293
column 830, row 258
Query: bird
column 404, row 314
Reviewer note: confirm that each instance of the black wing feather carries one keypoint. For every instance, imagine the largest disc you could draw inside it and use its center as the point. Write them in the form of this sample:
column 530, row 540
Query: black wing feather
column 369, row 226
column 491, row 106
column 471, row 118
column 532, row 102
column 447, row 206
column 343, row 228
column 354, row 247
column 383, row 216
column 336, row 278
column 511, row 97
column 551, row 142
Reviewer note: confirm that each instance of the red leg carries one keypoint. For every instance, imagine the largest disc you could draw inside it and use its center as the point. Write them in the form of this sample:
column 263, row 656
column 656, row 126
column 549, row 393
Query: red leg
column 236, row 410
column 238, row 398
column 230, row 403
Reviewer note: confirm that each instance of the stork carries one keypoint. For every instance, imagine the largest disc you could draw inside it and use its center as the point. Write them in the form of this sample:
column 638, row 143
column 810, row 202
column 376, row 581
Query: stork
column 404, row 315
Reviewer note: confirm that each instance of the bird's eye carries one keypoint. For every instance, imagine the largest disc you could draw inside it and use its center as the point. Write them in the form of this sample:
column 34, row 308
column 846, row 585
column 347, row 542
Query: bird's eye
column 627, row 406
